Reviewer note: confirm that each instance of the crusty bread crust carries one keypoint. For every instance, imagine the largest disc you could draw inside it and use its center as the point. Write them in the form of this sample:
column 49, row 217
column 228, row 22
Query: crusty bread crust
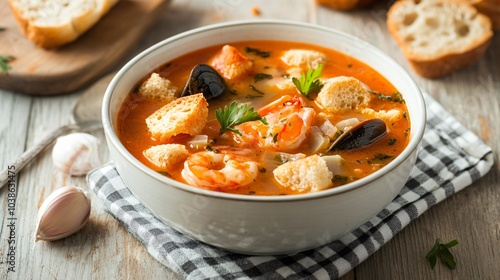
column 442, row 66
column 53, row 36
column 490, row 8
column 448, row 59
column 185, row 115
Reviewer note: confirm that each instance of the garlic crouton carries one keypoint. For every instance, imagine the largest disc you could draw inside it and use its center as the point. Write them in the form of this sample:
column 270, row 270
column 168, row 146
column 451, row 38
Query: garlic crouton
column 309, row 174
column 342, row 94
column 303, row 58
column 157, row 87
column 389, row 116
column 185, row 115
column 166, row 156
column 231, row 63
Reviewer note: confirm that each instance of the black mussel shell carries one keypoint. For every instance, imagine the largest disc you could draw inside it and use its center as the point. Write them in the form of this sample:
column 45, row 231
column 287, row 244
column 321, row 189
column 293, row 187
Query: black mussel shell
column 361, row 135
column 206, row 80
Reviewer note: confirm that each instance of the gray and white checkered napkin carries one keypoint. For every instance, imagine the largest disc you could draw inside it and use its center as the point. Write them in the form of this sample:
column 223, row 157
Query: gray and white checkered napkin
column 451, row 159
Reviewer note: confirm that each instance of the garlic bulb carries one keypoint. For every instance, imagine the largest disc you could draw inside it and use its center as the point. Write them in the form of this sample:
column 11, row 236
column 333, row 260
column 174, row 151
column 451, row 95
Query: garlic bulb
column 64, row 212
column 76, row 153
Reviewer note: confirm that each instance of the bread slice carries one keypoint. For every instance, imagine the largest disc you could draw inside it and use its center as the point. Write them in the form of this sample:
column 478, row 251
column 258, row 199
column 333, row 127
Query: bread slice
column 166, row 156
column 231, row 63
column 309, row 174
column 157, row 87
column 343, row 94
column 185, row 115
column 490, row 8
column 439, row 37
column 345, row 4
column 51, row 24
column 303, row 58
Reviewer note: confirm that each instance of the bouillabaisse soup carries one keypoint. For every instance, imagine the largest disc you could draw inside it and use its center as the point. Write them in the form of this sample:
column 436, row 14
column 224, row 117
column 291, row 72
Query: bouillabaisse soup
column 264, row 118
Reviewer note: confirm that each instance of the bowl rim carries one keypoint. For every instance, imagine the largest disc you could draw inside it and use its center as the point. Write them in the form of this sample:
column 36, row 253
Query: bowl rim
column 407, row 152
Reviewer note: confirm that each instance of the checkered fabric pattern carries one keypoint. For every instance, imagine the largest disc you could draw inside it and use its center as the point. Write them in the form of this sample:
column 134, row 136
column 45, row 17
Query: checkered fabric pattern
column 451, row 159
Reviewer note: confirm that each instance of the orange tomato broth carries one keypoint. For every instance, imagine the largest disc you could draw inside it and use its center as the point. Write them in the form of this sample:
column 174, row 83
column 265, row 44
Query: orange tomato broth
column 133, row 132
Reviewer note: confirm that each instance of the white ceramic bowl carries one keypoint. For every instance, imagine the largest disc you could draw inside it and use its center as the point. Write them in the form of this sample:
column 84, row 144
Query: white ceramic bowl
column 262, row 224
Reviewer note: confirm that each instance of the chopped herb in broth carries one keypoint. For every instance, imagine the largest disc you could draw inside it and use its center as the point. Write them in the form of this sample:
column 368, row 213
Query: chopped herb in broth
column 261, row 76
column 258, row 52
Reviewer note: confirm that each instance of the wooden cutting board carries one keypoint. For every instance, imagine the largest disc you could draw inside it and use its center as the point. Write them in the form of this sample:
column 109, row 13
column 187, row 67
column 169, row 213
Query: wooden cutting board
column 37, row 71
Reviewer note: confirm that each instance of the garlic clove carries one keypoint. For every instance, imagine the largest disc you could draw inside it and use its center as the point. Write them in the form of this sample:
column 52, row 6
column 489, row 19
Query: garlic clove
column 76, row 153
column 64, row 212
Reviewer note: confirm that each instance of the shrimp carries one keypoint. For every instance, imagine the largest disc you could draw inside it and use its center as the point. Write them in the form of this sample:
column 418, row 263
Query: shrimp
column 220, row 169
column 288, row 124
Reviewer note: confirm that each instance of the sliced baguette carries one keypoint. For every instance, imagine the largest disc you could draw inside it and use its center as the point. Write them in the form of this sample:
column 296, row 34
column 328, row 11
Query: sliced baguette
column 490, row 8
column 51, row 23
column 439, row 37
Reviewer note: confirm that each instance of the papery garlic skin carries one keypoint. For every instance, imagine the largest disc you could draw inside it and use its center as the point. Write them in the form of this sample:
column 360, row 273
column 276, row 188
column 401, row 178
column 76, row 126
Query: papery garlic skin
column 76, row 153
column 64, row 212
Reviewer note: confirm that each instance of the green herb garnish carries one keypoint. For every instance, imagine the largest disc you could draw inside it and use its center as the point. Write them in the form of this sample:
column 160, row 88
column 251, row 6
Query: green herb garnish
column 309, row 82
column 380, row 158
column 164, row 173
column 392, row 141
column 2, row 29
column 251, row 96
column 252, row 87
column 340, row 180
column 275, row 138
column 395, row 97
column 441, row 251
column 234, row 115
column 4, row 63
column 261, row 76
column 258, row 52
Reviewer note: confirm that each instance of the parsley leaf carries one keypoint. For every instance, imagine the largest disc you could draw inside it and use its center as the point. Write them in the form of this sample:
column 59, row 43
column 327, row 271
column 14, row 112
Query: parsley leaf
column 309, row 82
column 234, row 115
column 441, row 251
column 4, row 63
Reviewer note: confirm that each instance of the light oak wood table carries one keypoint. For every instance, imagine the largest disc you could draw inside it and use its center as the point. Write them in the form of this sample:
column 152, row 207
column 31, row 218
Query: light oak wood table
column 105, row 250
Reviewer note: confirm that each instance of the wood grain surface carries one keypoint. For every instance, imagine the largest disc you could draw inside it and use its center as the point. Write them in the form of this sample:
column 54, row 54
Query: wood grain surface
column 105, row 250
column 40, row 71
